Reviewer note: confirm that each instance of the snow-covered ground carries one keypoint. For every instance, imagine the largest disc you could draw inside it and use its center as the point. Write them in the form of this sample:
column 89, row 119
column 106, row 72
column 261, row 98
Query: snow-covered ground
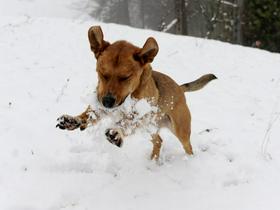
column 47, row 69
column 46, row 8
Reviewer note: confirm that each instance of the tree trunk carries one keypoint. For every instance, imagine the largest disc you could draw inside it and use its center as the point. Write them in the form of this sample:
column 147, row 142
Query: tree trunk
column 180, row 11
column 121, row 14
column 136, row 16
column 239, row 37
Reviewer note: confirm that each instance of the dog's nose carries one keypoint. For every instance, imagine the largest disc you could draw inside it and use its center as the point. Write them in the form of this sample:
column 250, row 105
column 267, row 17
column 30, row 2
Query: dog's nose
column 108, row 101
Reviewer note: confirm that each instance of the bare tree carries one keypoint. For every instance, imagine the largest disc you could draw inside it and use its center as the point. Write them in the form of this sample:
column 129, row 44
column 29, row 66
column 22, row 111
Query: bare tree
column 136, row 13
column 240, row 8
column 115, row 11
column 180, row 11
column 211, row 12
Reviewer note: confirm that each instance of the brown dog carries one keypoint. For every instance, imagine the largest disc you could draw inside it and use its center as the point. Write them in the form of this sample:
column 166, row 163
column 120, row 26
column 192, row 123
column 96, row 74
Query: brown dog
column 125, row 69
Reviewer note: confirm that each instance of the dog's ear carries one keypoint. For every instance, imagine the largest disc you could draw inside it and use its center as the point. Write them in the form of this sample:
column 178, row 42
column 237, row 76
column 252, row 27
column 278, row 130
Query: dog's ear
column 97, row 44
column 148, row 52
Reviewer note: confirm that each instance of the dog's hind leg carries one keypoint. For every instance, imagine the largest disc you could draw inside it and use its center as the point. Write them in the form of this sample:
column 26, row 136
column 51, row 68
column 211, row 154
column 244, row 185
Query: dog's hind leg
column 181, row 126
column 156, row 140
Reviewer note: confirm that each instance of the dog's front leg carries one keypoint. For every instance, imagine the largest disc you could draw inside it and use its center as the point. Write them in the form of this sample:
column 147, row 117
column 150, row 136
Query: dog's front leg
column 124, row 127
column 81, row 121
column 115, row 136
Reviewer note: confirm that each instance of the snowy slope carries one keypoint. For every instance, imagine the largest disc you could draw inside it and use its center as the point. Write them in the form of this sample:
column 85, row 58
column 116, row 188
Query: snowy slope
column 47, row 70
column 50, row 8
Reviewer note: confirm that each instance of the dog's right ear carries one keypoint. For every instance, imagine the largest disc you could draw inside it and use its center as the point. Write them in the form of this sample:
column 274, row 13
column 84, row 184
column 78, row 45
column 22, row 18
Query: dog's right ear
column 97, row 44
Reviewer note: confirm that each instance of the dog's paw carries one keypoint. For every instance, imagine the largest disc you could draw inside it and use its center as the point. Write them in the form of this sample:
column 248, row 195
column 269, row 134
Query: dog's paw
column 68, row 122
column 114, row 136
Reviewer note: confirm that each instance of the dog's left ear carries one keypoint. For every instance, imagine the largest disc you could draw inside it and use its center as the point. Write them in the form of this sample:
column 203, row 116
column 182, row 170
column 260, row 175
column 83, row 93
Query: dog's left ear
column 148, row 52
column 97, row 43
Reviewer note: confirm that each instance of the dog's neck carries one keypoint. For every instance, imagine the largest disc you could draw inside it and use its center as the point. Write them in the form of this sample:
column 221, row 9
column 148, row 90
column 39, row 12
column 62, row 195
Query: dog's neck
column 147, row 87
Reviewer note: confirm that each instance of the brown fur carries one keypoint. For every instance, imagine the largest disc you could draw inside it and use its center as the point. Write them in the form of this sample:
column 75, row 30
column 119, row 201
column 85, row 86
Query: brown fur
column 125, row 69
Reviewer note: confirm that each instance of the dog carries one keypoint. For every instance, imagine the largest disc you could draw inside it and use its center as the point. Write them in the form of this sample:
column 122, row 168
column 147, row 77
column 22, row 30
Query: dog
column 124, row 69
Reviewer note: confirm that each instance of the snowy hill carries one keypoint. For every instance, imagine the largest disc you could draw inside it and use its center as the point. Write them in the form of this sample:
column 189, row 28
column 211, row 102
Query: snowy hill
column 47, row 70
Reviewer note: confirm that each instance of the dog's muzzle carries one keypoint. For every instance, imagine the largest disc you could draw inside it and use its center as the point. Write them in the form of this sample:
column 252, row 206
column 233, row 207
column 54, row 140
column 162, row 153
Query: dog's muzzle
column 108, row 101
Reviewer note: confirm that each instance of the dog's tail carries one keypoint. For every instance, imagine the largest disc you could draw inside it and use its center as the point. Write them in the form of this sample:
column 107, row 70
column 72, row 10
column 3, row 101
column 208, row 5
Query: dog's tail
column 198, row 84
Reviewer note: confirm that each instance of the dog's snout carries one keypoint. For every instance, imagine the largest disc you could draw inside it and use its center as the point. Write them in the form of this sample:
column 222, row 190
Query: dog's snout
column 108, row 101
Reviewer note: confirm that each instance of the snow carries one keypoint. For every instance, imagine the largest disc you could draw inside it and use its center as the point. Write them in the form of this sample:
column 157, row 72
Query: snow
column 131, row 115
column 41, row 8
column 47, row 70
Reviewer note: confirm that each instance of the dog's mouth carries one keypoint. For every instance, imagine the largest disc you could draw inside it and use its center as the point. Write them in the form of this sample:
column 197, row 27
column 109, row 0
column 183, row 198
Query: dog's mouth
column 122, row 101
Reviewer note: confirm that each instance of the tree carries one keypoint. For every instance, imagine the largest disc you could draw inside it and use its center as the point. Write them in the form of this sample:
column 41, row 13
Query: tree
column 239, row 21
column 180, row 12
column 115, row 11
column 262, row 24
column 212, row 19
column 136, row 13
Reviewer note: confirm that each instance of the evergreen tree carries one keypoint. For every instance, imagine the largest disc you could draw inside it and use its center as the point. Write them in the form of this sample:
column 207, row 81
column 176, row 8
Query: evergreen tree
column 262, row 24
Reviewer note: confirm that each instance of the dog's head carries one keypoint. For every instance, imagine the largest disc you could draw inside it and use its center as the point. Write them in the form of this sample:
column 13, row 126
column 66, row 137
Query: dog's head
column 120, row 66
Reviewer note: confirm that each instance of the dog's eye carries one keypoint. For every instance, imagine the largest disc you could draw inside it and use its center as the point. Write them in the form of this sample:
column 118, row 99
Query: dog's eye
column 105, row 77
column 122, row 79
